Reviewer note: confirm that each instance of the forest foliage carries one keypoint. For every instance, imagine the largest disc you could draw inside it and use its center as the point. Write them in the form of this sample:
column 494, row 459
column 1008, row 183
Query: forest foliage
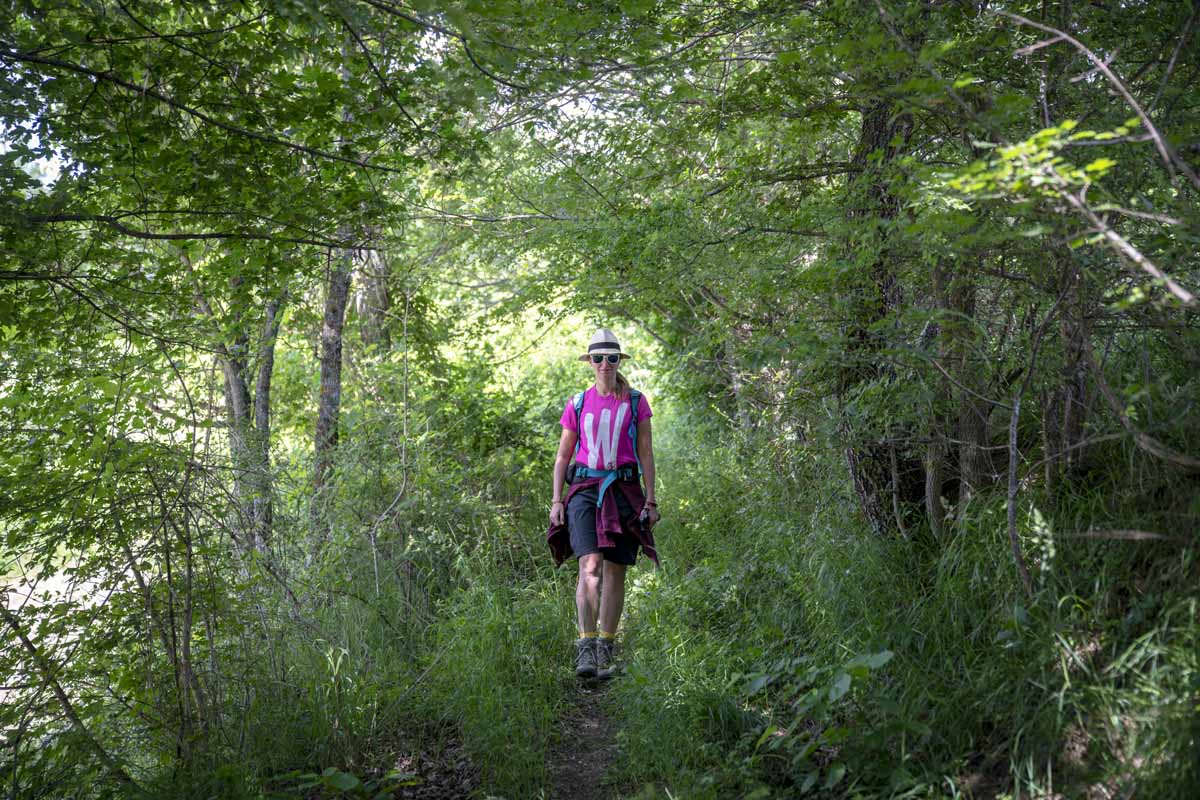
column 290, row 296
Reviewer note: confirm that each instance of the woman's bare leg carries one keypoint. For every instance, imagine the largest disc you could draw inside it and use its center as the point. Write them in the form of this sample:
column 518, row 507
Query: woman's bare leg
column 612, row 597
column 587, row 591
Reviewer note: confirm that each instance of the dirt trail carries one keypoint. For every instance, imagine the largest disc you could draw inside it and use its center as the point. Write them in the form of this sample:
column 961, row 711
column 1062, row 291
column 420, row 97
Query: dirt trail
column 581, row 763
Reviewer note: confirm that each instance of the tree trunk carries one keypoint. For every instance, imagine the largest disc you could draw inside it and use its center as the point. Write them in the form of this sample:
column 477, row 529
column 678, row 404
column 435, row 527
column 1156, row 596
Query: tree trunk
column 261, row 499
column 968, row 366
column 1075, row 400
column 249, row 425
column 330, row 400
column 1067, row 404
column 872, row 207
column 337, row 296
column 250, row 429
column 935, row 450
column 373, row 302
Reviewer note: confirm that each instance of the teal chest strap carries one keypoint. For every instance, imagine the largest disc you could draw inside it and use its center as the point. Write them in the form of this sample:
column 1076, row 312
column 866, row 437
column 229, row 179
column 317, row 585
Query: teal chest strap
column 609, row 476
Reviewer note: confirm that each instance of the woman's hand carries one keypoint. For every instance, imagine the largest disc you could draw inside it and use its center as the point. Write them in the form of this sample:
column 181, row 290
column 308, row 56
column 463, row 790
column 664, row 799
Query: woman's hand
column 650, row 515
column 558, row 513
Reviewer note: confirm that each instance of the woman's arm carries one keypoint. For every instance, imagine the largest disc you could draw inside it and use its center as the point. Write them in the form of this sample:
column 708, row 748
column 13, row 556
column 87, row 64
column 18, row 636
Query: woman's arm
column 645, row 447
column 566, row 449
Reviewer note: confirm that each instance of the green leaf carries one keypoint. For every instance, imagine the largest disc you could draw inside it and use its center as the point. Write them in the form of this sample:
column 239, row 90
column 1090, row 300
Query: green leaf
column 841, row 685
column 837, row 771
column 919, row 728
column 755, row 686
column 637, row 8
column 342, row 781
column 767, row 734
column 835, row 735
column 861, row 666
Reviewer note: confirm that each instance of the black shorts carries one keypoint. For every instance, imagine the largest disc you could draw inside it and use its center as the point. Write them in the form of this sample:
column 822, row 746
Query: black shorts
column 581, row 522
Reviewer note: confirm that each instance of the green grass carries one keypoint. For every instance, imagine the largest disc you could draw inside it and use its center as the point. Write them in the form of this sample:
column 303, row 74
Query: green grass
column 1093, row 681
column 497, row 669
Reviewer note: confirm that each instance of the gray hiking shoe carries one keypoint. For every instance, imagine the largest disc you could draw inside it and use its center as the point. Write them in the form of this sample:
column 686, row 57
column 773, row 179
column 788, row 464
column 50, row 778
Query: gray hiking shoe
column 585, row 658
column 605, row 650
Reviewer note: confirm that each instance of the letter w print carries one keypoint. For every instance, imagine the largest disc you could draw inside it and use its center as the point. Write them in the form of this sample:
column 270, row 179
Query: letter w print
column 602, row 443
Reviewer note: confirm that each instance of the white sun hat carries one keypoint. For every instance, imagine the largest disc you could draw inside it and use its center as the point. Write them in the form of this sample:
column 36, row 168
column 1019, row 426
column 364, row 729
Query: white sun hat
column 604, row 342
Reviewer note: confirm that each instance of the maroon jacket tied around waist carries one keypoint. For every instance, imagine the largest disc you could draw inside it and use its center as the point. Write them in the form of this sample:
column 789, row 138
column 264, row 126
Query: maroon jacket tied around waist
column 608, row 520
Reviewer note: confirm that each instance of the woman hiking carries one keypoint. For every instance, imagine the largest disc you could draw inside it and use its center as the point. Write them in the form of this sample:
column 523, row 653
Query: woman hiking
column 605, row 516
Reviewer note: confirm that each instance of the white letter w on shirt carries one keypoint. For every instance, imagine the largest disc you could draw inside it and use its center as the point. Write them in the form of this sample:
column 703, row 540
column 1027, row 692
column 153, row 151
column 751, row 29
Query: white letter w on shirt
column 608, row 436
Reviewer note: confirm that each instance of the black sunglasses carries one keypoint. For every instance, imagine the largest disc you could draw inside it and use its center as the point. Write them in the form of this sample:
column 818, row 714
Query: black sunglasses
column 612, row 358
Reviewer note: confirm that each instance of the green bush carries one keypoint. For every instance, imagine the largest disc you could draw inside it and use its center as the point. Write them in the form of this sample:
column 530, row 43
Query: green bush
column 758, row 654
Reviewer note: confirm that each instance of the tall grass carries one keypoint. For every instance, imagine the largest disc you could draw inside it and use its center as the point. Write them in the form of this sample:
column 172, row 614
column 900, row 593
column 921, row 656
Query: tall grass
column 771, row 585
column 497, row 671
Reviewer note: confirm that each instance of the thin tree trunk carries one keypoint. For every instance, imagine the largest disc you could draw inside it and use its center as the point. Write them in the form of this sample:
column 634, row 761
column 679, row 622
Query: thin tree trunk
column 1066, row 407
column 48, row 672
column 337, row 296
column 968, row 366
column 250, row 442
column 241, row 432
column 329, row 402
column 935, row 459
column 1075, row 400
column 261, row 500
column 897, row 508
column 935, row 450
column 183, row 740
column 373, row 301
column 1013, row 454
column 190, row 678
column 248, row 420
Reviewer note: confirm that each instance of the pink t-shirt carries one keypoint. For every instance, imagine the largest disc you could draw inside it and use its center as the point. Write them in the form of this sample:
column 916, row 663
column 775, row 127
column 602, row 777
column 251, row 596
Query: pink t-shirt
column 604, row 442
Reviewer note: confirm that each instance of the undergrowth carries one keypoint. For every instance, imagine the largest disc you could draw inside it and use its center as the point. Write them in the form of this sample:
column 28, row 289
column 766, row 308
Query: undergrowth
column 498, row 672
column 785, row 650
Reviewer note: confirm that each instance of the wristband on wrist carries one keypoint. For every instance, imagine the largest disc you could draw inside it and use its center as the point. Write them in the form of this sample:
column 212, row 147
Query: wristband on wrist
column 556, row 503
column 652, row 503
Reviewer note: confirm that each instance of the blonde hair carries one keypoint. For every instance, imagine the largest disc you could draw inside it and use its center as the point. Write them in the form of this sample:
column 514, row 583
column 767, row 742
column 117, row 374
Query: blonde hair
column 622, row 385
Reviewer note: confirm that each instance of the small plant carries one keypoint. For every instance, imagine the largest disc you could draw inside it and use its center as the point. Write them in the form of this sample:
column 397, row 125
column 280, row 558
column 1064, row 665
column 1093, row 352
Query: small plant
column 333, row 782
column 804, row 718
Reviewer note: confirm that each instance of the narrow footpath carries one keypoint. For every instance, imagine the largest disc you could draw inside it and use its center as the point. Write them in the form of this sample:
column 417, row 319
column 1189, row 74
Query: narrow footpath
column 580, row 766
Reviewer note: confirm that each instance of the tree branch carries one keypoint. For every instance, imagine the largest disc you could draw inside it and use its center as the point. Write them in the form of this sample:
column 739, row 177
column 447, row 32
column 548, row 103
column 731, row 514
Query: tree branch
column 115, row 223
column 1187, row 32
column 383, row 82
column 1122, row 246
column 489, row 74
column 1170, row 158
column 7, row 53
column 1144, row 441
column 47, row 671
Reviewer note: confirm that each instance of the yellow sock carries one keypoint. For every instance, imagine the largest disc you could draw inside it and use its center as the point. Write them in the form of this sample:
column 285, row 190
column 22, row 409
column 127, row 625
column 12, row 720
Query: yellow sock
column 608, row 636
column 587, row 635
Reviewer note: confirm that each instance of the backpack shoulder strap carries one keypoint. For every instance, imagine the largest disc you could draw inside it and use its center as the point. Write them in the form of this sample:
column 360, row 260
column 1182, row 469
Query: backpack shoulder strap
column 577, row 402
column 634, row 397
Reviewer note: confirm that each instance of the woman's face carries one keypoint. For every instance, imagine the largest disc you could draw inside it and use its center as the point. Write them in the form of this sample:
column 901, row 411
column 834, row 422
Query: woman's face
column 606, row 367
